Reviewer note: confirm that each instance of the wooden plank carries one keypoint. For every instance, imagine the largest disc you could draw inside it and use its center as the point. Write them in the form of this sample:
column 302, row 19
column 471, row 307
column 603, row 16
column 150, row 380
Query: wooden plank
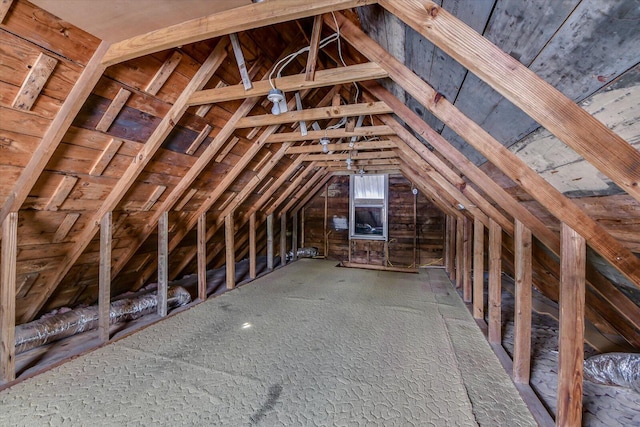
column 8, row 297
column 34, row 82
column 495, row 283
column 478, row 269
column 466, row 259
column 459, row 253
column 312, row 58
column 163, row 74
column 294, row 185
column 64, row 227
column 62, row 192
column 571, row 334
column 5, row 5
column 226, row 22
column 593, row 140
column 136, row 167
column 452, row 246
column 270, row 242
column 329, row 77
column 367, row 131
column 54, row 133
column 447, row 258
column 363, row 145
column 232, row 143
column 379, row 267
column 229, row 234
column 355, row 156
column 163, row 263
column 105, row 158
column 522, row 318
column 310, row 194
column 294, row 236
column 113, row 110
column 192, row 192
column 283, row 239
column 512, row 166
column 242, row 66
column 314, row 114
column 202, row 257
column 252, row 246
column 160, row 189
column 104, row 278
column 204, row 133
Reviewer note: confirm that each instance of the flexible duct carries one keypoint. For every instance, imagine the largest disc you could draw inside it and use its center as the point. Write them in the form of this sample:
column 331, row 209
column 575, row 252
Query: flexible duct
column 39, row 332
column 619, row 369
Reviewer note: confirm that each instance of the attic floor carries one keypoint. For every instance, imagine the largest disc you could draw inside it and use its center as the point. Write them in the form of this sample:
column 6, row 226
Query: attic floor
column 309, row 344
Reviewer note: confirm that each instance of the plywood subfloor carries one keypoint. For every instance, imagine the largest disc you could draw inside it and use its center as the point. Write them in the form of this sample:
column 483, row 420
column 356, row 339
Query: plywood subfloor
column 309, row 344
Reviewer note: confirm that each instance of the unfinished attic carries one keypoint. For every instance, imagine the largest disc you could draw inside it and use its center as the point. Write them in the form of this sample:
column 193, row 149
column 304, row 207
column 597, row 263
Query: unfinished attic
column 337, row 212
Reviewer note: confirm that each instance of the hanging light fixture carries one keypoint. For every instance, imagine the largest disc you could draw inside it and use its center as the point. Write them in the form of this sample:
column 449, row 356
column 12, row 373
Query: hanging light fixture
column 279, row 101
column 349, row 162
column 325, row 144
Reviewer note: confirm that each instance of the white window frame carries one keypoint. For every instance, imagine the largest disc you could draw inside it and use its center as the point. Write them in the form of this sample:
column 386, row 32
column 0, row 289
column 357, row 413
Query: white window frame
column 384, row 205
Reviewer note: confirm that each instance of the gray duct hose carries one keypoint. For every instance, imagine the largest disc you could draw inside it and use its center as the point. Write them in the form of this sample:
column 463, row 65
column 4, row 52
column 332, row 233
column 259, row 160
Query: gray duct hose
column 39, row 332
column 619, row 369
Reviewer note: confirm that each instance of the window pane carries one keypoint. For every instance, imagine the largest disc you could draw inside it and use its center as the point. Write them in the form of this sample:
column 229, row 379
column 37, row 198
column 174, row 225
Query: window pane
column 368, row 220
column 368, row 187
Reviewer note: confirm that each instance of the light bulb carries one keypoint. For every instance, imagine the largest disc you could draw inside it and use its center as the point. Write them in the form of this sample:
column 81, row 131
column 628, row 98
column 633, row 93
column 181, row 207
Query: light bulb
column 279, row 103
column 325, row 144
column 349, row 161
column 275, row 110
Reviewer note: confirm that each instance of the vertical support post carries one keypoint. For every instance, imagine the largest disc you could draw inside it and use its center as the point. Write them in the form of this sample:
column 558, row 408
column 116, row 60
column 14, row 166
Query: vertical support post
column 447, row 258
column 202, row 256
column 8, row 298
column 522, row 345
column 466, row 261
column 415, row 229
column 571, row 337
column 104, row 280
column 495, row 282
column 452, row 247
column 302, row 242
column 478, row 269
column 283, row 239
column 459, row 252
column 163, row 263
column 270, row 242
column 252, row 246
column 294, row 236
column 325, row 224
column 230, row 250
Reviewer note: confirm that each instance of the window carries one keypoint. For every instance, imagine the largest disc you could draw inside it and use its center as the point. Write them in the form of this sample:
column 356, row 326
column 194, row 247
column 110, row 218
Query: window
column 368, row 207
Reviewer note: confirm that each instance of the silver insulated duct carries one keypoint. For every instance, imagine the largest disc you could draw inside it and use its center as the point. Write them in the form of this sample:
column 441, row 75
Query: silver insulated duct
column 39, row 332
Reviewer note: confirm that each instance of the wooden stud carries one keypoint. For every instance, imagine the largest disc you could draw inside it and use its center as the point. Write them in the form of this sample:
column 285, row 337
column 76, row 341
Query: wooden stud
column 229, row 244
column 65, row 226
column 313, row 48
column 204, row 133
column 232, row 143
column 163, row 263
column 311, row 114
column 452, row 247
column 283, row 239
column 571, row 334
column 157, row 193
column 294, row 236
column 203, row 110
column 252, row 246
column 34, row 82
column 61, row 193
column 105, row 158
column 242, row 67
column 302, row 233
column 104, row 280
column 325, row 221
column 330, row 77
column 522, row 319
column 5, row 5
column 163, row 74
column 270, row 242
column 447, row 259
column 368, row 131
column 495, row 283
column 459, row 252
column 466, row 259
column 8, row 297
column 202, row 257
column 478, row 269
column 192, row 192
column 113, row 110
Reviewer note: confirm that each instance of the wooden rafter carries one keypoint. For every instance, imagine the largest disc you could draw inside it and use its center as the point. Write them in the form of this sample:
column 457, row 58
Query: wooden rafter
column 304, row 189
column 366, row 131
column 136, row 167
column 330, row 77
column 314, row 43
column 590, row 138
column 226, row 22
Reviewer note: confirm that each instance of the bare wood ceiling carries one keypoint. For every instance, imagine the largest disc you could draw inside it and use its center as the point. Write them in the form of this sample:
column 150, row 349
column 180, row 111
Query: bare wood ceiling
column 116, row 20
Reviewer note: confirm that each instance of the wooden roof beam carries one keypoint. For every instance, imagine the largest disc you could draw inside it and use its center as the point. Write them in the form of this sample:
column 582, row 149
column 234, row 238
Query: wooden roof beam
column 362, row 146
column 328, row 77
column 226, row 22
column 510, row 164
column 593, row 140
column 365, row 131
